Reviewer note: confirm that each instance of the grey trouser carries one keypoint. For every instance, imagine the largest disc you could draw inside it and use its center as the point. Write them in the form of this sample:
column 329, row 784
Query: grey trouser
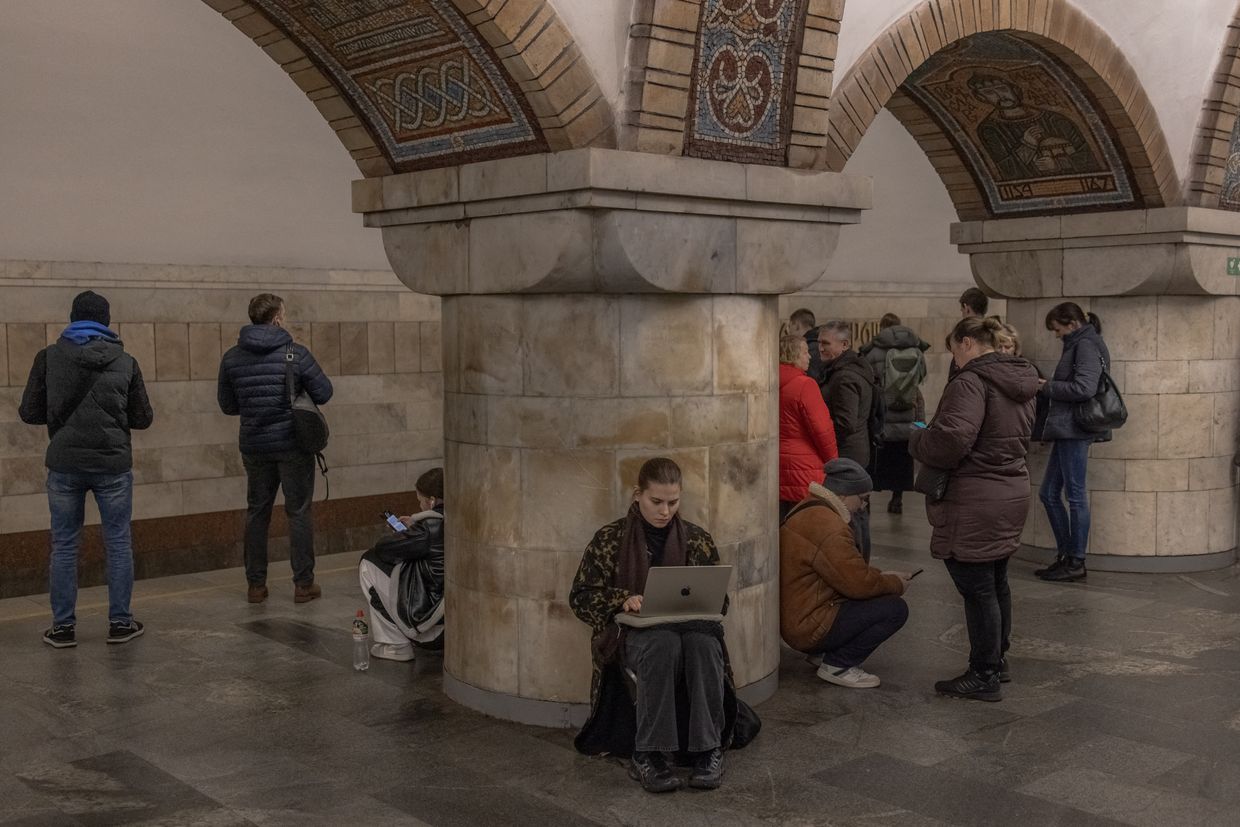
column 661, row 658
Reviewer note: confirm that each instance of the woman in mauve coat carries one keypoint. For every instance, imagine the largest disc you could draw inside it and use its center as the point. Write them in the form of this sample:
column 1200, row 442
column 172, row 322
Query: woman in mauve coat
column 806, row 433
column 980, row 434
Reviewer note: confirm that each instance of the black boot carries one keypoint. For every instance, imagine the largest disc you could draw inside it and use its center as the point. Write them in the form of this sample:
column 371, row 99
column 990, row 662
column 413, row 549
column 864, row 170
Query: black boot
column 1060, row 560
column 650, row 768
column 1005, row 671
column 896, row 506
column 977, row 686
column 707, row 770
column 1071, row 571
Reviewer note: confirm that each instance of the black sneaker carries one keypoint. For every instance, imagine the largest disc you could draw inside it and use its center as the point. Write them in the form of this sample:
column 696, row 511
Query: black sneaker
column 1005, row 671
column 1071, row 571
column 652, row 771
column 122, row 632
column 61, row 637
column 1055, row 566
column 972, row 685
column 707, row 770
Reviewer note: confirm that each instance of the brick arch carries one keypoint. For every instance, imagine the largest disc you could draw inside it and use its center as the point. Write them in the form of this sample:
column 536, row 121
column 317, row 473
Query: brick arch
column 1211, row 183
column 517, row 82
column 1078, row 51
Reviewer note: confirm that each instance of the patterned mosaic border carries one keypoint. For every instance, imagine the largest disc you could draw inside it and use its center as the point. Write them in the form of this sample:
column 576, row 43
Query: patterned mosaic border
column 431, row 92
column 744, row 79
column 1065, row 158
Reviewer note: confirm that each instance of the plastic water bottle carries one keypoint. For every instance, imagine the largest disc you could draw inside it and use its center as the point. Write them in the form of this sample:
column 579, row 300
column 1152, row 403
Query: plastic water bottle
column 361, row 642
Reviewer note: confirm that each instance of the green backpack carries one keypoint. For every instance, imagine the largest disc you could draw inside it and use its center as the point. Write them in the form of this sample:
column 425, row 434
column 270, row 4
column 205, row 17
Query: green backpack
column 904, row 368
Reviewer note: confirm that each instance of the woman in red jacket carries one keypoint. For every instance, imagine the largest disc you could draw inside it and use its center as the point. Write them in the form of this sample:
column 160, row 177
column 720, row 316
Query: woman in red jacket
column 806, row 434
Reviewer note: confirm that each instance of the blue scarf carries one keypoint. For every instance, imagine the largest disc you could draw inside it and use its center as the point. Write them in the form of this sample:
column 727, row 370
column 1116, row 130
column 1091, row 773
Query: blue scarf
column 82, row 332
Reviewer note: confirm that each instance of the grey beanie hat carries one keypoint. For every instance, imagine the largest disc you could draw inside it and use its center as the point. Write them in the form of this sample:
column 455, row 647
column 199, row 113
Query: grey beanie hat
column 844, row 477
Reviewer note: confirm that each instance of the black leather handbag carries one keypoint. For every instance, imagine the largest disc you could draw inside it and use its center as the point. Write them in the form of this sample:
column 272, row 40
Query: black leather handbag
column 1106, row 411
column 310, row 429
column 932, row 482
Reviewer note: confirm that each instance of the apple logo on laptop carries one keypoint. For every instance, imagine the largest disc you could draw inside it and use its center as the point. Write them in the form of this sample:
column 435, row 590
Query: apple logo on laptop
column 684, row 592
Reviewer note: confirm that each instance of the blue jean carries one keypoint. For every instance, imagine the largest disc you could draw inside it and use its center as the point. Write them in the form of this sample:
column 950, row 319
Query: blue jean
column 66, row 499
column 1065, row 474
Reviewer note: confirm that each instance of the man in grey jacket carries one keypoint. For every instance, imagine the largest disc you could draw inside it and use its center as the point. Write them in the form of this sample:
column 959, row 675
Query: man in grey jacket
column 89, row 393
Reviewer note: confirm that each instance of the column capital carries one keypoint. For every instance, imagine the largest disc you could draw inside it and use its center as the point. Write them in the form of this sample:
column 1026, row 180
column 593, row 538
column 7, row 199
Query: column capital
column 1168, row 251
column 607, row 221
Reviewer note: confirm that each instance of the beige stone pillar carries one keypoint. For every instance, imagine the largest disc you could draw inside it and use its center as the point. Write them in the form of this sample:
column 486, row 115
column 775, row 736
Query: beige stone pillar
column 601, row 308
column 1163, row 494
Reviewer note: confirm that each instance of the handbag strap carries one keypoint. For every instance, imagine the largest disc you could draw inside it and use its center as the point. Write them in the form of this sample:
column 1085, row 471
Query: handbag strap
column 288, row 372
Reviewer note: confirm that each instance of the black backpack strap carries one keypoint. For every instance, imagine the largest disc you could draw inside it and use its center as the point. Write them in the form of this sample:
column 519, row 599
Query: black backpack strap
column 289, row 358
column 804, row 505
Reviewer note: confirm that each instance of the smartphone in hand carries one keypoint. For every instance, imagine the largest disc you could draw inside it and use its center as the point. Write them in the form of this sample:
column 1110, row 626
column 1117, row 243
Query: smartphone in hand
column 919, row 424
column 393, row 522
column 914, row 574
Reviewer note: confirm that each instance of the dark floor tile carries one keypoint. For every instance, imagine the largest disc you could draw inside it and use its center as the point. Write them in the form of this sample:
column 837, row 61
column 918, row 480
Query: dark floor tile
column 1203, row 778
column 464, row 798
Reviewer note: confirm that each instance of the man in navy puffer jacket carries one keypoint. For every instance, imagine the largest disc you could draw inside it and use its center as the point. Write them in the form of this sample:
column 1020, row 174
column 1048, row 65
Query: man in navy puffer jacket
column 252, row 385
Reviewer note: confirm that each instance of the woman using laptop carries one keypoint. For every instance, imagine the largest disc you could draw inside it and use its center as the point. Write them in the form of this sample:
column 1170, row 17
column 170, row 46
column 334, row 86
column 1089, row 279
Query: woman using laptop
column 686, row 658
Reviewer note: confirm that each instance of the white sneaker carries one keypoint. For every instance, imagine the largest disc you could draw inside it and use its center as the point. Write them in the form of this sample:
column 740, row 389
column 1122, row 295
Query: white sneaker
column 392, row 651
column 854, row 677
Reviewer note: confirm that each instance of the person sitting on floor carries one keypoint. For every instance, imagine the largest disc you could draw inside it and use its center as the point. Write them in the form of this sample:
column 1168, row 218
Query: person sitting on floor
column 831, row 602
column 402, row 578
column 668, row 661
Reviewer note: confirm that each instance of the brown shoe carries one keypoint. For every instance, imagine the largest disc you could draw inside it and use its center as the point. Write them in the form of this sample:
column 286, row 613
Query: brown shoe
column 257, row 593
column 306, row 593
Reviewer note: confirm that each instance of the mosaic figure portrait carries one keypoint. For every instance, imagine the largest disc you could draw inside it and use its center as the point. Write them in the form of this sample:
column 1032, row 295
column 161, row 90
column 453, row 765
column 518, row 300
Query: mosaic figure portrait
column 1030, row 134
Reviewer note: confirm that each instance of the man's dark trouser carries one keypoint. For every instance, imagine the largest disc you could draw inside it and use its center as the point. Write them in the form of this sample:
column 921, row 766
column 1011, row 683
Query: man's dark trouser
column 987, row 610
column 860, row 627
column 661, row 658
column 860, row 522
column 265, row 473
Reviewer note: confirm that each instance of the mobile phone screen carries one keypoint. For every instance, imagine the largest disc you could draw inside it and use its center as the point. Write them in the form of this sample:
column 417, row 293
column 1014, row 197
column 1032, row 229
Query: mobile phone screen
column 394, row 522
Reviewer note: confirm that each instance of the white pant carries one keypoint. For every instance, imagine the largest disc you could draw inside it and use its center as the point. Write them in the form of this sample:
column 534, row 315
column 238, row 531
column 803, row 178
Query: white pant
column 383, row 630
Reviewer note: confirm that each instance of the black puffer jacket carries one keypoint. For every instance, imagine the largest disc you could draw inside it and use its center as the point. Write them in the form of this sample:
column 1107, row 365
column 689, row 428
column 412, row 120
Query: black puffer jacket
column 94, row 438
column 848, row 385
column 251, row 384
column 1076, row 380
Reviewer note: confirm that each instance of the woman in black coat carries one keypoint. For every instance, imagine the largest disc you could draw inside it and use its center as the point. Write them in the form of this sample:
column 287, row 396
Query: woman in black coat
column 1076, row 379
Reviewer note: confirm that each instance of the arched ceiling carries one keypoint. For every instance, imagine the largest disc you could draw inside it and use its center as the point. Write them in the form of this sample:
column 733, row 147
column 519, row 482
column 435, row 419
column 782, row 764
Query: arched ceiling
column 1215, row 180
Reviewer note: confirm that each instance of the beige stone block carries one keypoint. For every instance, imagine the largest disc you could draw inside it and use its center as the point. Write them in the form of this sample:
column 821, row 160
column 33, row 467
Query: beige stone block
column 1222, row 520
column 52, row 331
column 325, row 345
column 565, row 496
column 481, row 568
column 489, row 514
column 529, row 422
column 300, row 331
column 367, row 480
column 709, row 420
column 489, row 343
column 742, row 489
column 204, row 351
column 503, row 178
column 430, row 258
column 413, row 189
column 1155, row 377
column 430, row 336
column 663, row 346
column 1157, row 475
column 751, row 630
column 160, row 500
column 482, row 624
column 196, row 462
column 1184, row 425
column 24, row 343
column 1122, row 523
column 171, row 351
column 354, row 348
column 628, row 423
column 1209, row 473
column 1138, row 439
column 1214, row 376
column 1106, row 474
column 1227, row 327
column 453, row 308
column 371, row 418
column 407, row 346
column 1129, row 324
column 763, row 409
column 4, row 358
column 1181, row 529
column 554, row 661
column 23, row 475
column 380, row 348
column 1226, row 424
column 465, row 418
column 204, row 496
column 571, row 345
column 543, row 574
column 745, row 341
column 1185, row 327
column 695, row 492
column 550, row 250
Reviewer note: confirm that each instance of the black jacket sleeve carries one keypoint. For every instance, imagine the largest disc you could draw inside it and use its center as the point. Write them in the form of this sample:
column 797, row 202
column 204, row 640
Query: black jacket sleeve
column 139, row 412
column 225, row 393
column 313, row 379
column 1086, row 376
column 33, row 408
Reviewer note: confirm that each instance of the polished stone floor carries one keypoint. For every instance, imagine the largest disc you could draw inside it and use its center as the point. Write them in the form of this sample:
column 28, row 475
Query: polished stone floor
column 1125, row 710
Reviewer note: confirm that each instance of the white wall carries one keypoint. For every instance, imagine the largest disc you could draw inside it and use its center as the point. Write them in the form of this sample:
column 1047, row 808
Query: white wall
column 153, row 131
column 1173, row 45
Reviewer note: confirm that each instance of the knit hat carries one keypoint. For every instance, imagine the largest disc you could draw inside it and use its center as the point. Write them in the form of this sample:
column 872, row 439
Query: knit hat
column 844, row 477
column 91, row 307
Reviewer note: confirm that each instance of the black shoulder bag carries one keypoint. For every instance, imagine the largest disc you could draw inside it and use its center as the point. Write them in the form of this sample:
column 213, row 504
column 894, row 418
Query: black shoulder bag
column 1106, row 410
column 310, row 430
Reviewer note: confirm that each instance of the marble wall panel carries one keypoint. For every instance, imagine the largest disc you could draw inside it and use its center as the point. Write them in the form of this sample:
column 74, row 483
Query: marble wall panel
column 204, row 351
column 570, row 345
column 1156, row 475
column 1226, row 424
column 489, row 513
column 554, row 655
column 24, row 342
column 407, row 345
column 663, row 346
column 1181, row 529
column 746, row 333
column 1227, row 327
column 481, row 622
column 489, row 342
column 354, row 347
column 741, row 489
column 430, row 339
column 1185, row 425
column 1123, row 523
column 633, row 423
column 1222, row 520
column 171, row 351
column 325, row 345
column 380, row 348
column 565, row 496
column 1185, row 327
column 4, row 357
column 710, row 420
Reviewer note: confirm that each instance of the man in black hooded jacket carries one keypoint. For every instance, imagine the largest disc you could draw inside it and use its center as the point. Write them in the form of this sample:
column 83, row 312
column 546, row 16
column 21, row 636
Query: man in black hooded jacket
column 89, row 393
column 252, row 384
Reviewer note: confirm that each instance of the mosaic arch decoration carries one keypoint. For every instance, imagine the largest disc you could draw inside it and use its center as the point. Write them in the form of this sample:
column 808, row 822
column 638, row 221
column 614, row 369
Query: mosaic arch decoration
column 743, row 80
column 1026, row 129
column 1229, row 195
column 431, row 92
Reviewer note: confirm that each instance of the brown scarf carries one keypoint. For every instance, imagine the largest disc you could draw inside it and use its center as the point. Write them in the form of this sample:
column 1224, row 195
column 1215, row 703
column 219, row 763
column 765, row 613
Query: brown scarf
column 634, row 562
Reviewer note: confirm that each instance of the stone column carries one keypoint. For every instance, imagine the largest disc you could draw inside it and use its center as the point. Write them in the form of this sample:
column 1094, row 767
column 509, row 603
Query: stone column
column 1163, row 494
column 601, row 308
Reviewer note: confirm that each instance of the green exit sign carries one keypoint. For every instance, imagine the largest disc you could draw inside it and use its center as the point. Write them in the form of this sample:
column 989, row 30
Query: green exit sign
column 1233, row 266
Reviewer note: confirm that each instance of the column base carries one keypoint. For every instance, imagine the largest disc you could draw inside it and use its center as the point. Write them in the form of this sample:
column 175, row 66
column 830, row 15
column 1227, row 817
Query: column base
column 559, row 714
column 1141, row 564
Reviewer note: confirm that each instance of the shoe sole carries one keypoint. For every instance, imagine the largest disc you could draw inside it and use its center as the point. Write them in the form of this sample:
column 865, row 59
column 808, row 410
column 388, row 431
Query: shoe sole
column 637, row 777
column 60, row 644
column 404, row 659
column 306, row 598
column 834, row 681
column 989, row 697
column 705, row 785
column 128, row 637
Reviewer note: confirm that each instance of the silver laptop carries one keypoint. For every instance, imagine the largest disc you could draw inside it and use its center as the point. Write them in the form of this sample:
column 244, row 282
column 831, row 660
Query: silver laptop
column 678, row 593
